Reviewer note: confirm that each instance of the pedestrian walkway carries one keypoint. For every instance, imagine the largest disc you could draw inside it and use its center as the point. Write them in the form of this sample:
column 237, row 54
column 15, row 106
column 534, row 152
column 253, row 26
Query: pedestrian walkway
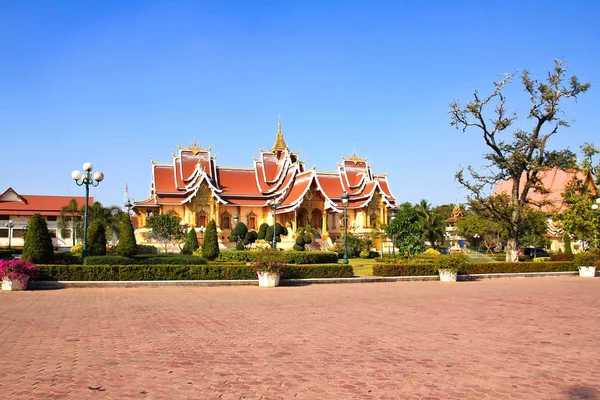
column 503, row 339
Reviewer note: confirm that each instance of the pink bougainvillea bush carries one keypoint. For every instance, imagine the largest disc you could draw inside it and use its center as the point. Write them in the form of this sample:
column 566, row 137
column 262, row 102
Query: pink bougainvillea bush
column 18, row 269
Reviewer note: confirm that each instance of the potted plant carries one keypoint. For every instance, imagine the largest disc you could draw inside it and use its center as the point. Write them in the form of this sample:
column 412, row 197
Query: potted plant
column 269, row 265
column 585, row 263
column 16, row 273
column 449, row 265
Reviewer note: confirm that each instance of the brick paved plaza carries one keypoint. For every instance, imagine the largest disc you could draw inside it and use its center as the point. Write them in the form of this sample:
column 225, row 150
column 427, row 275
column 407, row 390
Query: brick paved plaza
column 503, row 339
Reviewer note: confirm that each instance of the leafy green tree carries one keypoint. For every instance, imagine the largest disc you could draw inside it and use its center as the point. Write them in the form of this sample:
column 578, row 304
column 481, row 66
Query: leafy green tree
column 262, row 231
column 406, row 229
column 301, row 241
column 210, row 246
column 166, row 228
column 578, row 217
column 127, row 246
column 111, row 217
column 433, row 224
column 514, row 153
column 70, row 216
column 38, row 243
column 191, row 243
column 445, row 210
column 96, row 239
column 482, row 224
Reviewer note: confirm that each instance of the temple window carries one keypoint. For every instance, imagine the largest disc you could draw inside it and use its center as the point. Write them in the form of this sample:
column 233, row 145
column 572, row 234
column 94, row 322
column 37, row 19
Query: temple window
column 225, row 221
column 201, row 219
column 252, row 221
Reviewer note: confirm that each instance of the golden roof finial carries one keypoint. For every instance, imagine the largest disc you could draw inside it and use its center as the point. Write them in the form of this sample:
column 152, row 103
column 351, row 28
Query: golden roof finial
column 279, row 142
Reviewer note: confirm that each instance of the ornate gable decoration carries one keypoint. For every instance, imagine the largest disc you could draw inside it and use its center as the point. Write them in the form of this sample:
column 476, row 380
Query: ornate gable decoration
column 194, row 148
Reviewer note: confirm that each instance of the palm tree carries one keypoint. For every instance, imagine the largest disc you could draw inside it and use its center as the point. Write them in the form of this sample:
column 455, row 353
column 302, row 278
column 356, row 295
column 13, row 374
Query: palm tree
column 111, row 218
column 434, row 225
column 70, row 213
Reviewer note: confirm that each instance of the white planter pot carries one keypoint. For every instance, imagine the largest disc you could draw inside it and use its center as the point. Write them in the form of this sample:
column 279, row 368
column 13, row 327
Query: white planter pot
column 9, row 284
column 447, row 275
column 268, row 279
column 587, row 272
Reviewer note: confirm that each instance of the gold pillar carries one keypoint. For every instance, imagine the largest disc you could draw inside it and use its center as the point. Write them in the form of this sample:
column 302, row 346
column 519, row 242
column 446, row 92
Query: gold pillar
column 324, row 223
column 218, row 214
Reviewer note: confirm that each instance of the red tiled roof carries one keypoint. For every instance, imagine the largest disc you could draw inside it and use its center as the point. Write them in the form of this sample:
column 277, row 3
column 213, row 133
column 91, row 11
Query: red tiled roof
column 274, row 175
column 554, row 180
column 44, row 205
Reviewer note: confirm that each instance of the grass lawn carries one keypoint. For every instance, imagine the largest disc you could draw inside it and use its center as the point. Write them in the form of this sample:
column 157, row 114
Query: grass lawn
column 364, row 270
column 362, row 266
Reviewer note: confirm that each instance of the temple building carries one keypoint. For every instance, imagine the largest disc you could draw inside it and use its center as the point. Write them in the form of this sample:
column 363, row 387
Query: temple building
column 198, row 190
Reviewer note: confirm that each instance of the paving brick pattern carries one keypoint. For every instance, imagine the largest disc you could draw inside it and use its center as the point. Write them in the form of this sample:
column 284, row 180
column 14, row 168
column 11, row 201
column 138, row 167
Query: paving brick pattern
column 501, row 339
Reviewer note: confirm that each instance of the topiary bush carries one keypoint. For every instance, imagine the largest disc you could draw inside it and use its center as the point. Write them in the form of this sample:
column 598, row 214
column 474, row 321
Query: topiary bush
column 364, row 254
column 96, row 239
column 191, row 243
column 127, row 246
column 262, row 231
column 310, row 257
column 210, row 246
column 585, row 259
column 38, row 243
column 237, row 255
column 147, row 249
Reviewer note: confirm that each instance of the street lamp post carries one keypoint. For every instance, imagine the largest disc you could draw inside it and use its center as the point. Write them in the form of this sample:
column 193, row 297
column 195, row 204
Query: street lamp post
column 595, row 207
column 10, row 225
column 274, row 204
column 393, row 235
column 128, row 206
column 86, row 178
column 345, row 199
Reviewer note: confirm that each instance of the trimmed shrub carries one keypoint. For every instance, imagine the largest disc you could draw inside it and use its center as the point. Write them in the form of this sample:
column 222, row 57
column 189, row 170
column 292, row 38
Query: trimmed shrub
column 310, row 257
column 147, row 249
column 214, row 271
column 38, row 243
column 237, row 255
column 472, row 268
column 562, row 257
column 318, row 271
column 250, row 238
column 191, row 243
column 238, row 233
column 127, row 246
column 364, row 254
column 262, row 231
column 96, row 239
column 585, row 259
column 432, row 252
column 145, row 260
column 541, row 259
column 210, row 246
column 66, row 257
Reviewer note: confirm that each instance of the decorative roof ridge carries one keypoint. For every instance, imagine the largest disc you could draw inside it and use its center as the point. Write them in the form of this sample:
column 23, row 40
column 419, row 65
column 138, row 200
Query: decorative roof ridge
column 250, row 169
column 279, row 144
column 160, row 164
column 355, row 158
column 194, row 148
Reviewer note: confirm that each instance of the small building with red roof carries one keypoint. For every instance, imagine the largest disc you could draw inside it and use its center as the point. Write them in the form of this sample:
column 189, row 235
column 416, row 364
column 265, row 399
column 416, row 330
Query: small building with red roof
column 16, row 209
column 198, row 190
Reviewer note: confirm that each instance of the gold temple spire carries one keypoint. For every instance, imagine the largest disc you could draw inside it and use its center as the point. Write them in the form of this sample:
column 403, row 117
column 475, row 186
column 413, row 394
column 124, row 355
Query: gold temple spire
column 279, row 142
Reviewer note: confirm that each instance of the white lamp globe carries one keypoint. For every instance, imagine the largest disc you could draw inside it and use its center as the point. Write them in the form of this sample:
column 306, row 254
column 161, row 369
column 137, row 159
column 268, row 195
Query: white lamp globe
column 598, row 200
column 594, row 206
column 98, row 176
column 76, row 175
column 88, row 166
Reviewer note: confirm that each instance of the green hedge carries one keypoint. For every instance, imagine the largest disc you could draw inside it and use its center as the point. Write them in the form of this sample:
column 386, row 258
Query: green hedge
column 182, row 272
column 143, row 272
column 562, row 257
column 291, row 256
column 318, row 271
column 145, row 259
column 237, row 255
column 404, row 270
column 415, row 269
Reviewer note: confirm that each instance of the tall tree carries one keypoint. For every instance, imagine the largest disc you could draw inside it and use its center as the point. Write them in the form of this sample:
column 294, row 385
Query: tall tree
column 433, row 224
column 70, row 216
column 515, row 154
column 191, row 243
column 96, row 239
column 165, row 228
column 406, row 229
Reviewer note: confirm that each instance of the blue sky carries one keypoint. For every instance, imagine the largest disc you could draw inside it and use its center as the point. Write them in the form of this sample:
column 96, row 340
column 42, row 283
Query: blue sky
column 116, row 83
